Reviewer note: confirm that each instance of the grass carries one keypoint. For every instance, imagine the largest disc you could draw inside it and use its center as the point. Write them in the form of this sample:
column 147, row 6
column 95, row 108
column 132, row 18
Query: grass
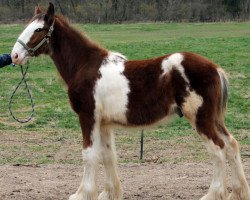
column 54, row 136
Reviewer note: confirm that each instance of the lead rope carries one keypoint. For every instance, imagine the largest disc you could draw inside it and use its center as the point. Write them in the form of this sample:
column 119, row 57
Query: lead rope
column 24, row 72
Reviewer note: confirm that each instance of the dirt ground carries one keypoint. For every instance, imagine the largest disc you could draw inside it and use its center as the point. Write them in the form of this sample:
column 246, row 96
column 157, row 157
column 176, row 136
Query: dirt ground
column 146, row 181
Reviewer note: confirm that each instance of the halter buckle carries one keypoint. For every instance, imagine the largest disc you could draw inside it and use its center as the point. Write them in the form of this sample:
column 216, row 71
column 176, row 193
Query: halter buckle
column 31, row 52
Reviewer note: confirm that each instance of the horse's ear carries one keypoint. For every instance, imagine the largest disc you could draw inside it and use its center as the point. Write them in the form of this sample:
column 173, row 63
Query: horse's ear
column 49, row 16
column 37, row 10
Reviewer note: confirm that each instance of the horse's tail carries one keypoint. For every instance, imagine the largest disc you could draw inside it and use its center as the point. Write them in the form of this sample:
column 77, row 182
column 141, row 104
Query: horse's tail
column 223, row 96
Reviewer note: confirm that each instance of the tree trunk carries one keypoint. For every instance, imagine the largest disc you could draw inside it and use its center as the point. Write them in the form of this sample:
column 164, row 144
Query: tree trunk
column 73, row 6
column 22, row 5
column 114, row 8
column 58, row 3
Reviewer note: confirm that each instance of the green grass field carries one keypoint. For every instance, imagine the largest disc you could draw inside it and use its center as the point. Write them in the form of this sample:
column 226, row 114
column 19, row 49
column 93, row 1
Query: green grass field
column 54, row 134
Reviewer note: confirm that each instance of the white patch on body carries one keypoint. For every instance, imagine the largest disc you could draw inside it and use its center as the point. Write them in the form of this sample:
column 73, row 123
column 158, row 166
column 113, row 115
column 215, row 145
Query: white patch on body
column 115, row 56
column 111, row 91
column 25, row 38
column 174, row 62
column 191, row 105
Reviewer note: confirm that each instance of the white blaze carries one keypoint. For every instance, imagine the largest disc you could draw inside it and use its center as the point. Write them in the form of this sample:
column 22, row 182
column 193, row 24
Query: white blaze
column 25, row 38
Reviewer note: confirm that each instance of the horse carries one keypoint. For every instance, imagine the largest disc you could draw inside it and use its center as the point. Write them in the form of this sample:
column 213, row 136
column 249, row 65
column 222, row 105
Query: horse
column 107, row 90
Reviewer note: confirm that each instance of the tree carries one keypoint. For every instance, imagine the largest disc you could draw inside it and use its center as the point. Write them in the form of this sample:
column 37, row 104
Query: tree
column 233, row 6
column 109, row 11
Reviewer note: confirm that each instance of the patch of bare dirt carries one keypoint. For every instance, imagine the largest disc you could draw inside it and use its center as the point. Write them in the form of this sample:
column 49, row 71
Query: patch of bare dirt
column 147, row 181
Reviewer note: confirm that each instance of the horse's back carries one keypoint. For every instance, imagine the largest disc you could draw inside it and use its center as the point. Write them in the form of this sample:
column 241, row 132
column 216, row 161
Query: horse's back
column 159, row 85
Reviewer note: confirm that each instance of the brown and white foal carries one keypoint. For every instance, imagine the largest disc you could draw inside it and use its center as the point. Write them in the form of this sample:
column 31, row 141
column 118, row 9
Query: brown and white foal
column 105, row 89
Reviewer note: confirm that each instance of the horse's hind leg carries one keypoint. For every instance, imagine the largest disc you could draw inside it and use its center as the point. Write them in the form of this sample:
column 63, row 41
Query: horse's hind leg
column 113, row 190
column 217, row 189
column 201, row 118
column 240, row 188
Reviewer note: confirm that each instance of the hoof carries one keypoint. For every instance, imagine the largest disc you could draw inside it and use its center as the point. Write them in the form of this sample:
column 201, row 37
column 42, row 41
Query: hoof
column 108, row 196
column 206, row 197
column 75, row 197
column 103, row 196
column 214, row 196
column 82, row 197
column 239, row 195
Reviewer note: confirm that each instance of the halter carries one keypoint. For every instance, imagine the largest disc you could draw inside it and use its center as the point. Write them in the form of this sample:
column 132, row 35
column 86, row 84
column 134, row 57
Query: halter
column 31, row 51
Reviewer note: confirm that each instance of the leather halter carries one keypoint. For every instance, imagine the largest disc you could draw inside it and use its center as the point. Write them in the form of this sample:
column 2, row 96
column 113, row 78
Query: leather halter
column 46, row 38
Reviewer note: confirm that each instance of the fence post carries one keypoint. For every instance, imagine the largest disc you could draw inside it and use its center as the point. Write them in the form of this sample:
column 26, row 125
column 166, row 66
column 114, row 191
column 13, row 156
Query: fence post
column 142, row 141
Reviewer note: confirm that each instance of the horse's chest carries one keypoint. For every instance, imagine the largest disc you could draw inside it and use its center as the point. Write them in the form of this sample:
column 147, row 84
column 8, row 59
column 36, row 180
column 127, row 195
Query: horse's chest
column 82, row 99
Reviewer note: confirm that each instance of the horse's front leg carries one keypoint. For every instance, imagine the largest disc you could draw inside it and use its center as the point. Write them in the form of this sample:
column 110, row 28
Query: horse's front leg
column 91, row 156
column 113, row 190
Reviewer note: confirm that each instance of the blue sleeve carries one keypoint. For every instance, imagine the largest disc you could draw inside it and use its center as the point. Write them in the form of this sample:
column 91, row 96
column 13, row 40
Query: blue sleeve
column 5, row 59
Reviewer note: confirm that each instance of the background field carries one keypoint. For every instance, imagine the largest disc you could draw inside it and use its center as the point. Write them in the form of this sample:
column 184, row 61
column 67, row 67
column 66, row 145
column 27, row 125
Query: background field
column 54, row 135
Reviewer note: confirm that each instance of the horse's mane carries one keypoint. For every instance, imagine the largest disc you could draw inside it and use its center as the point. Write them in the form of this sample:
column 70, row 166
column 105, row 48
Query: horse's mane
column 62, row 19
column 74, row 52
column 82, row 37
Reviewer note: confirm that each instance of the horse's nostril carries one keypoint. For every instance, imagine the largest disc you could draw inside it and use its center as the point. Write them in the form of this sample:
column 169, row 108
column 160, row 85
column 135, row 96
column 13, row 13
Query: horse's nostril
column 16, row 56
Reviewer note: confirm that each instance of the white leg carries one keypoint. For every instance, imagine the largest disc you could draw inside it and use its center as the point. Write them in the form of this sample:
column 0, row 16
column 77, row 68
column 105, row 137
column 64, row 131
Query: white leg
column 87, row 189
column 217, row 190
column 241, row 189
column 112, row 189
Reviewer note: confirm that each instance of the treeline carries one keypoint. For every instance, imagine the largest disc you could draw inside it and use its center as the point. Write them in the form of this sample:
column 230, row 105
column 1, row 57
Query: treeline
column 118, row 11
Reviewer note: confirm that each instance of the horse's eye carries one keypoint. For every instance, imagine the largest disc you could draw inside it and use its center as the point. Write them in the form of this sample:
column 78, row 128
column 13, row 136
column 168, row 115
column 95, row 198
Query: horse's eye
column 38, row 30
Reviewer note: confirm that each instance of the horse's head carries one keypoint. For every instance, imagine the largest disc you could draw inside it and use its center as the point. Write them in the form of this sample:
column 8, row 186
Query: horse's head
column 35, row 38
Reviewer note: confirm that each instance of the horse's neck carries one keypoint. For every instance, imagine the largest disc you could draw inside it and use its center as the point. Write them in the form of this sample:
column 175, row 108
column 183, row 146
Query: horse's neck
column 73, row 51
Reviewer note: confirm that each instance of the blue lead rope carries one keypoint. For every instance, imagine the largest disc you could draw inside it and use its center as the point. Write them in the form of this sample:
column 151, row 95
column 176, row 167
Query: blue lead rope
column 25, row 120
